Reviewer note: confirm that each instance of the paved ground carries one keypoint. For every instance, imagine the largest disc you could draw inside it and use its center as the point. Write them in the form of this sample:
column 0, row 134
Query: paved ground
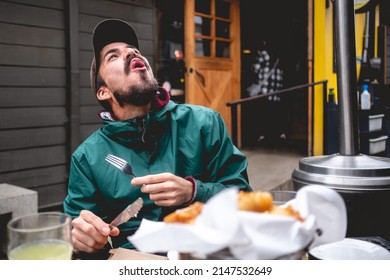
column 272, row 167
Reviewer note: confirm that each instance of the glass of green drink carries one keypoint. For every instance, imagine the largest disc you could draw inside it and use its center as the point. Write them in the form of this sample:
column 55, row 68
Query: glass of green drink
column 40, row 236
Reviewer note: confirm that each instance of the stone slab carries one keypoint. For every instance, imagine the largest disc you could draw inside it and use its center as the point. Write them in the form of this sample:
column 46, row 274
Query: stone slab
column 14, row 202
column 17, row 200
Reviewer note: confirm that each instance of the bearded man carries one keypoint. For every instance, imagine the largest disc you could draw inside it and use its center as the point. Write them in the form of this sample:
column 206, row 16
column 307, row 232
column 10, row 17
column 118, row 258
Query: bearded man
column 180, row 153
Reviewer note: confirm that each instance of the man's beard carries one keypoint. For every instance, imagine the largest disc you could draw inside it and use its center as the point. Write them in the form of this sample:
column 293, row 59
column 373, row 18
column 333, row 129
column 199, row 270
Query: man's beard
column 137, row 95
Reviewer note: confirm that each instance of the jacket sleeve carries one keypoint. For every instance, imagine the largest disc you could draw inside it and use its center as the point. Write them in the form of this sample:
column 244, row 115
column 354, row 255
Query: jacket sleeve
column 82, row 192
column 225, row 164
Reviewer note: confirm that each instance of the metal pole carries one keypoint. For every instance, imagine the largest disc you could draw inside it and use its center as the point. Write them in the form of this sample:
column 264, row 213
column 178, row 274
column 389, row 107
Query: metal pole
column 346, row 77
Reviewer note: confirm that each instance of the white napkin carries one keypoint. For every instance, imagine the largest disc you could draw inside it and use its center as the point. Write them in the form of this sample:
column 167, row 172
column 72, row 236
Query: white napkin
column 329, row 210
column 250, row 235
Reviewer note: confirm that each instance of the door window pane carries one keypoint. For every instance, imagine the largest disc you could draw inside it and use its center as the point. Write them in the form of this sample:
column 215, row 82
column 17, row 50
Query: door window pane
column 222, row 29
column 223, row 49
column 222, row 9
column 202, row 6
column 202, row 26
column 202, row 47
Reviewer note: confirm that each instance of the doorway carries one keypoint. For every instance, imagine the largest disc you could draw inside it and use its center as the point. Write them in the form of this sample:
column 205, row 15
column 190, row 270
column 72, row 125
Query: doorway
column 282, row 27
column 170, row 53
column 199, row 52
column 283, row 24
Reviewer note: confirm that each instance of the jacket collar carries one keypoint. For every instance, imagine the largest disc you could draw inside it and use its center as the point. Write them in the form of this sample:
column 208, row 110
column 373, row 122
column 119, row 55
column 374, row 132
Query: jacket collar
column 143, row 132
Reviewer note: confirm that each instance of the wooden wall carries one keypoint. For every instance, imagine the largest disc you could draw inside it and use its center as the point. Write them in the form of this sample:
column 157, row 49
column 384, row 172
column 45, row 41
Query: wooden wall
column 46, row 105
column 387, row 55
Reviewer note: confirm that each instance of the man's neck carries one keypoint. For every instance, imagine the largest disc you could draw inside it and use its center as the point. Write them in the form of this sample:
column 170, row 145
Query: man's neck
column 130, row 111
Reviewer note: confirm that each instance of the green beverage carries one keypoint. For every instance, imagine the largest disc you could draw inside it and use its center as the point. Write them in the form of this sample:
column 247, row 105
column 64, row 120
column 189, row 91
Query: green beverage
column 42, row 250
column 40, row 236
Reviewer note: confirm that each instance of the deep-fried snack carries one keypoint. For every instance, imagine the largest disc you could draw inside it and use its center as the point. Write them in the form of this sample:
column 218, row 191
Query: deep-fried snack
column 263, row 202
column 185, row 215
column 257, row 201
column 254, row 201
column 286, row 211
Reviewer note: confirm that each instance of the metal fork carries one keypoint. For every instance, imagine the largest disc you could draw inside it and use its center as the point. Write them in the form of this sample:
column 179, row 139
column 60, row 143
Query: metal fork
column 120, row 163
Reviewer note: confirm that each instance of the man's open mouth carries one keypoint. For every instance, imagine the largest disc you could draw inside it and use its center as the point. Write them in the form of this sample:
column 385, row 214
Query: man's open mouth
column 137, row 64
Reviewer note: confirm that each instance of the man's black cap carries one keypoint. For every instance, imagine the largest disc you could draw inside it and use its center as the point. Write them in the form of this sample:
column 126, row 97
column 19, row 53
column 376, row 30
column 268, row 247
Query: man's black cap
column 106, row 32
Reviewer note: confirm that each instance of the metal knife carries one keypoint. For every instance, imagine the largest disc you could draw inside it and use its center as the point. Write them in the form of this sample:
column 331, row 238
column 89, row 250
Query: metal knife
column 130, row 212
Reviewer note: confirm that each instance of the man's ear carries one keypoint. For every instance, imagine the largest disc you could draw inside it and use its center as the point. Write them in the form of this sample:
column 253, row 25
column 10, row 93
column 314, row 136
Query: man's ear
column 103, row 93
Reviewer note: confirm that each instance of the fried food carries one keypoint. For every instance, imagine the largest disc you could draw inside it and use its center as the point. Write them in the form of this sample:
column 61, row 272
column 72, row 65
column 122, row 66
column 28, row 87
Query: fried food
column 285, row 211
column 185, row 215
column 257, row 201
column 254, row 201
column 263, row 202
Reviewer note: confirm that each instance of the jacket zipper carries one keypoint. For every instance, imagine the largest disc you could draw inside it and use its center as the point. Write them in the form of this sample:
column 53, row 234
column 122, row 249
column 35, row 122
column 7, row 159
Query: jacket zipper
column 143, row 130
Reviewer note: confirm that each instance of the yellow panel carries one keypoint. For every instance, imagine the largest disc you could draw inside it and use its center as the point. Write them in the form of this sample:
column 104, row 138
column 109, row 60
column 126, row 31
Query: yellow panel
column 319, row 74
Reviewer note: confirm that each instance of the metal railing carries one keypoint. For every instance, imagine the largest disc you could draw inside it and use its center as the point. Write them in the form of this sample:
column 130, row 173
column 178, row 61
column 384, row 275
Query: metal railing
column 234, row 104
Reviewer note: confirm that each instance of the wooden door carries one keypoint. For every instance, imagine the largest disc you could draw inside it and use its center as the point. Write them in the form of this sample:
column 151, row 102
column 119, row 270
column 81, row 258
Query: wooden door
column 212, row 54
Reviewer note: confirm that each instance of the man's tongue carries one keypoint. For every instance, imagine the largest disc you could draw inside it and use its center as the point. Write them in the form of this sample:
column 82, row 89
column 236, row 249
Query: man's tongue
column 137, row 63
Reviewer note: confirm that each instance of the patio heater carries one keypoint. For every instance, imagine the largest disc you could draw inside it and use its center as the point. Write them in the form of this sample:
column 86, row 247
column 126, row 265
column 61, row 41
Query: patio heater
column 363, row 181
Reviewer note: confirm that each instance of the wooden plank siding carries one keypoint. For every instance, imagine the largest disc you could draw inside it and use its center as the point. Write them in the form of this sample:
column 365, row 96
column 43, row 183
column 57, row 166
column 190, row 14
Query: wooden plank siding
column 45, row 96
column 33, row 98
column 387, row 55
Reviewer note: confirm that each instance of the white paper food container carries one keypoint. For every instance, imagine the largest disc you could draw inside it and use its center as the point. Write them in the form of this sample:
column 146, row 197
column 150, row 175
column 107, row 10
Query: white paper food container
column 250, row 235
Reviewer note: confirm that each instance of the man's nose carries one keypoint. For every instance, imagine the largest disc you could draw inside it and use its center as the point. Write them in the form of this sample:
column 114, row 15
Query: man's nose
column 129, row 53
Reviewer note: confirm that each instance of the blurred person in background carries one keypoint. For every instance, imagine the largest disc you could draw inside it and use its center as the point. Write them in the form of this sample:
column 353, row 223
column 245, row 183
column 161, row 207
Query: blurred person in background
column 268, row 78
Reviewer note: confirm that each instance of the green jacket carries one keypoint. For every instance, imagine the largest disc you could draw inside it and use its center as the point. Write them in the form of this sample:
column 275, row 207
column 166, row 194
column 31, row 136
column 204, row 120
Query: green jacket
column 183, row 139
